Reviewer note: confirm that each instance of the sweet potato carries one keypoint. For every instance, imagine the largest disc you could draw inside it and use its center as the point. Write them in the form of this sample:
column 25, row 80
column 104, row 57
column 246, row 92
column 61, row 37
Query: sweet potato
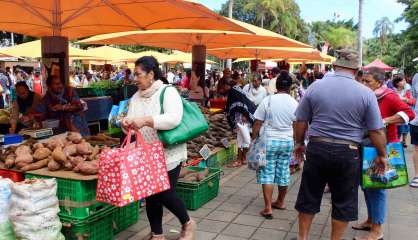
column 2, row 165
column 68, row 165
column 76, row 160
column 84, row 148
column 25, row 158
column 33, row 166
column 93, row 154
column 22, row 150
column 70, row 150
column 74, row 137
column 184, row 172
column 10, row 160
column 54, row 143
column 41, row 153
column 202, row 175
column 37, row 146
column 53, row 165
column 58, row 155
column 87, row 168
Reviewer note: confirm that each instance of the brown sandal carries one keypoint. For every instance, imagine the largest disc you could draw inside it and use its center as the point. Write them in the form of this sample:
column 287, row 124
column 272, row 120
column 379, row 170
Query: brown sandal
column 235, row 164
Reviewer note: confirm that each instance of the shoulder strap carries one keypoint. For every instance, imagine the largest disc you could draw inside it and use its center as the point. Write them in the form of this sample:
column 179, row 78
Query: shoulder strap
column 162, row 98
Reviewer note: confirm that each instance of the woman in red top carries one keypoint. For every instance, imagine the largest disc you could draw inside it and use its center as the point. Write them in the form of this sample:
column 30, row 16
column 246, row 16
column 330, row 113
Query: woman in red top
column 394, row 111
column 403, row 89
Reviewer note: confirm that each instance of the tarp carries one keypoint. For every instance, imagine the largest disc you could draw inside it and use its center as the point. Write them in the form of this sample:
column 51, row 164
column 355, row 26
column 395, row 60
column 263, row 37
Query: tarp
column 379, row 64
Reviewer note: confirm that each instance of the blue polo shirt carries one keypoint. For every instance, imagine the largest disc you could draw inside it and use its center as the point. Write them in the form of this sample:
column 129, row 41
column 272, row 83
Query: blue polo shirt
column 339, row 107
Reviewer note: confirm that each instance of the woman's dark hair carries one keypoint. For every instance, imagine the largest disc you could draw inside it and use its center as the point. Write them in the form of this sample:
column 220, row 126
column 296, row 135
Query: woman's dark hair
column 128, row 71
column 397, row 79
column 22, row 84
column 378, row 74
column 148, row 64
column 236, row 76
column 284, row 81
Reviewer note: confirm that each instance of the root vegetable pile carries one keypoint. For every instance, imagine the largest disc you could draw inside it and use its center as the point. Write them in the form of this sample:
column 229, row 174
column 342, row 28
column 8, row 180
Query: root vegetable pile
column 72, row 153
column 188, row 175
column 218, row 129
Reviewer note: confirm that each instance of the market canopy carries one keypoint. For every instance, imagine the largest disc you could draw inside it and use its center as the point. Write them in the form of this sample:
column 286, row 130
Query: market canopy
column 185, row 39
column 181, row 57
column 379, row 64
column 80, row 18
column 159, row 56
column 110, row 53
column 33, row 50
column 265, row 53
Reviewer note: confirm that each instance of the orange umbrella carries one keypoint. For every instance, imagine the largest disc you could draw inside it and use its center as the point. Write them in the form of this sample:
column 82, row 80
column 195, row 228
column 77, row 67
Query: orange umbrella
column 82, row 18
column 265, row 53
column 184, row 39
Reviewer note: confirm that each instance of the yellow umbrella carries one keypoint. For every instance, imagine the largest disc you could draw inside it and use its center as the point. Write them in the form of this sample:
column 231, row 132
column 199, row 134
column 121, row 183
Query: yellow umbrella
column 81, row 18
column 33, row 50
column 159, row 56
column 184, row 39
column 110, row 53
column 265, row 53
column 181, row 57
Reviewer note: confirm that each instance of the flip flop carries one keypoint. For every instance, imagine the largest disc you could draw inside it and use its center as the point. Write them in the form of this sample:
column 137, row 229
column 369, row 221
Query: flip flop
column 266, row 215
column 362, row 228
column 414, row 183
column 381, row 238
column 278, row 208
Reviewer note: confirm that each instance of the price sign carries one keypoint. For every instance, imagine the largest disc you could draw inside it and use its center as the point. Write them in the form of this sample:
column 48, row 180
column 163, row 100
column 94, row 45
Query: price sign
column 225, row 142
column 205, row 152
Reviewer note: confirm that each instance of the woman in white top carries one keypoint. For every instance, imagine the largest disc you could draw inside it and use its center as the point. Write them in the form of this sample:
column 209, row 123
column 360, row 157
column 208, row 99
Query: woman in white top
column 277, row 114
column 144, row 115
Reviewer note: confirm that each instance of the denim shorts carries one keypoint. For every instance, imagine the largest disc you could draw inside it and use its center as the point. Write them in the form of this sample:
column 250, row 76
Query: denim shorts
column 337, row 165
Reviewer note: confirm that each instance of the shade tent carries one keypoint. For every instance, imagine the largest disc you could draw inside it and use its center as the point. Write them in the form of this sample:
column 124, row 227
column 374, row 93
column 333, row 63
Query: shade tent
column 379, row 64
column 181, row 57
column 159, row 56
column 265, row 53
column 110, row 53
column 80, row 18
column 185, row 39
column 33, row 50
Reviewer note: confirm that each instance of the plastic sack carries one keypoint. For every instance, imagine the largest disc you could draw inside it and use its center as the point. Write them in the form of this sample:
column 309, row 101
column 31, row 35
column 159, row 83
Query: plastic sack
column 112, row 120
column 6, row 227
column 34, row 210
column 122, row 111
column 244, row 135
column 257, row 154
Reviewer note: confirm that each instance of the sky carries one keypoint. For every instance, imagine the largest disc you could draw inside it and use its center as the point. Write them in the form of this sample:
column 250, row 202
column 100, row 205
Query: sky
column 320, row 10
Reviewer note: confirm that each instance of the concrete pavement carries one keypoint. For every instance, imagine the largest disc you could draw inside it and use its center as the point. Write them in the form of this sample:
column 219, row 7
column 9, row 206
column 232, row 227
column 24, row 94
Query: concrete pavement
column 233, row 215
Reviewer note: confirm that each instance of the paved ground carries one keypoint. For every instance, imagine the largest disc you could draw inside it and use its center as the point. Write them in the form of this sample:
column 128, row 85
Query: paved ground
column 233, row 215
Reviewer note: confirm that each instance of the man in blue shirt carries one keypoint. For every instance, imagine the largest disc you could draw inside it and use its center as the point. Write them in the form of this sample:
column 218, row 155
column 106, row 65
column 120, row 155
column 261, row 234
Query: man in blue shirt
column 337, row 109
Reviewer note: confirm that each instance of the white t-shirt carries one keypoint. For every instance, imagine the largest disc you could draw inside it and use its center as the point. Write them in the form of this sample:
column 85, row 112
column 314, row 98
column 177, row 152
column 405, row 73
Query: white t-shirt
column 255, row 95
column 282, row 115
column 272, row 86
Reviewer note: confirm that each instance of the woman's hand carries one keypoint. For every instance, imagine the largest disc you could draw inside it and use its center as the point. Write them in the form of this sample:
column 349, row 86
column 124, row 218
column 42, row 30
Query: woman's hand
column 127, row 123
column 137, row 123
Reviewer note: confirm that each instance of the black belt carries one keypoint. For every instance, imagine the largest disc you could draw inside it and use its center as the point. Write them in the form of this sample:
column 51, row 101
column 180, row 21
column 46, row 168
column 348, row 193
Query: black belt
column 332, row 140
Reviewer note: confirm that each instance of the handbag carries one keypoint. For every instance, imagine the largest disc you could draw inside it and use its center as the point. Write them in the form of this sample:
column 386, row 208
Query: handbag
column 193, row 123
column 395, row 176
column 132, row 172
column 257, row 154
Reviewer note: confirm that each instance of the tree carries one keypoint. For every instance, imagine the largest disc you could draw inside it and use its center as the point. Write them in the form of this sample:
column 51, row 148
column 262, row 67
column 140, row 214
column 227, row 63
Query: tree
column 382, row 28
column 340, row 37
column 264, row 8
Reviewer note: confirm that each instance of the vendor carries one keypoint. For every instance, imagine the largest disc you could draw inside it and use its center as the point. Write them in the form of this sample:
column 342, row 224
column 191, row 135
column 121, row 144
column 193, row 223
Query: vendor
column 24, row 105
column 62, row 103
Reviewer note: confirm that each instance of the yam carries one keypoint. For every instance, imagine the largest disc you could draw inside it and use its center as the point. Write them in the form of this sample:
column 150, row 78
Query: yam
column 37, row 165
column 184, row 172
column 68, row 165
column 53, row 165
column 22, row 150
column 202, row 175
column 58, row 155
column 84, row 148
column 94, row 153
column 70, row 150
column 41, row 153
column 76, row 160
column 2, row 165
column 74, row 137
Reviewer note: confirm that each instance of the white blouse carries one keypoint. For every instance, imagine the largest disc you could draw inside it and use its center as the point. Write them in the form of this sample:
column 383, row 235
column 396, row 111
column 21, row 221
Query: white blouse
column 173, row 114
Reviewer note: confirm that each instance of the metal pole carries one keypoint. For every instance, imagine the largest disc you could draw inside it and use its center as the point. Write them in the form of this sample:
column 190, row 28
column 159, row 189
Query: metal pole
column 360, row 32
column 231, row 4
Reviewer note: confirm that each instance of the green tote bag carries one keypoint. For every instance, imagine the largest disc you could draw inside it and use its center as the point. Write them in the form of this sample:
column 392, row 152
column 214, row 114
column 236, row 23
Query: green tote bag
column 192, row 124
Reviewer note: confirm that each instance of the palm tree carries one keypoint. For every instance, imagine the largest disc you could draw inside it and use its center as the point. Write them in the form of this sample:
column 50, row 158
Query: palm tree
column 382, row 28
column 266, row 7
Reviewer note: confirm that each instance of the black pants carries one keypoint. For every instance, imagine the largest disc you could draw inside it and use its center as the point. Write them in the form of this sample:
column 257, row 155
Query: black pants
column 168, row 199
column 338, row 165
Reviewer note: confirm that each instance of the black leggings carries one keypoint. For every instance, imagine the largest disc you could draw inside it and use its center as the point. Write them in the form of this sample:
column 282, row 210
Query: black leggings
column 168, row 199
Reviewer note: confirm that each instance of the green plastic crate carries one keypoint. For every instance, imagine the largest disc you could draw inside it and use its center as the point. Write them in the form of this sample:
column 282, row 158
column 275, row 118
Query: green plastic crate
column 125, row 216
column 219, row 159
column 95, row 227
column 197, row 194
column 232, row 153
column 76, row 191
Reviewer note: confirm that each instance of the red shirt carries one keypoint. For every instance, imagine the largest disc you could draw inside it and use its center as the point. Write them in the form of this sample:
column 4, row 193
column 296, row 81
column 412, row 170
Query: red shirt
column 389, row 105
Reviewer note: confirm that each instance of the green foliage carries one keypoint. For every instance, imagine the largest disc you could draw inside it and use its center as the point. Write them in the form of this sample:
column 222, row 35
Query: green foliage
column 106, row 84
column 340, row 37
column 338, row 33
